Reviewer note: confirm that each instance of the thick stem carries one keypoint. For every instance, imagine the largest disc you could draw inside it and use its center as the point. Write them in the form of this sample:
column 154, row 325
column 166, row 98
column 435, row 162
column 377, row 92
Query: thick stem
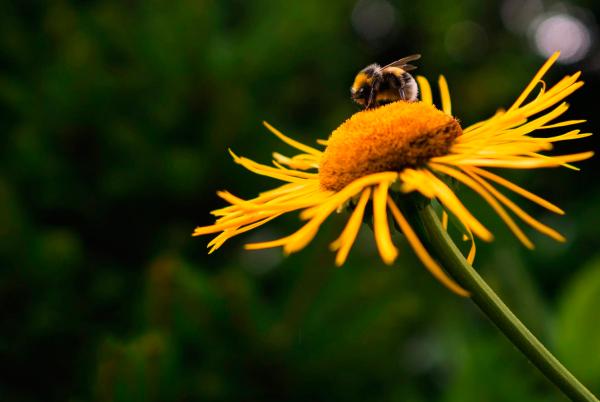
column 425, row 220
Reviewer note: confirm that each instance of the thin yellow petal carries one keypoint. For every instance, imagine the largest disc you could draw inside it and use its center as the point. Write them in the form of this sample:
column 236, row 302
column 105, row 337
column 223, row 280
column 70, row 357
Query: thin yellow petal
column 263, row 197
column 344, row 243
column 297, row 240
column 276, row 173
column 519, row 190
column 536, row 155
column 267, row 244
column 473, row 249
column 426, row 96
column 445, row 93
column 540, row 121
column 302, row 198
column 422, row 253
column 295, row 162
column 479, row 189
column 232, row 199
column 542, row 106
column 386, row 248
column 571, row 135
column 540, row 227
column 451, row 201
column 318, row 214
column 233, row 223
column 557, row 93
column 415, row 180
column 521, row 163
column 352, row 189
column 228, row 234
column 542, row 71
column 563, row 123
column 302, row 237
column 445, row 220
column 298, row 145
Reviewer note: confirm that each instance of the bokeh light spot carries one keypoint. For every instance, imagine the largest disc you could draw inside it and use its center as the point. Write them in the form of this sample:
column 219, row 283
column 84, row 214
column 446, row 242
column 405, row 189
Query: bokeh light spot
column 373, row 19
column 518, row 14
column 562, row 32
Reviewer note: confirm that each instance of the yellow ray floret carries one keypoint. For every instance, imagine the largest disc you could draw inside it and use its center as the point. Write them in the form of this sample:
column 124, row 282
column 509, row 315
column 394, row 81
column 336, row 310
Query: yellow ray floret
column 344, row 243
column 421, row 251
column 381, row 228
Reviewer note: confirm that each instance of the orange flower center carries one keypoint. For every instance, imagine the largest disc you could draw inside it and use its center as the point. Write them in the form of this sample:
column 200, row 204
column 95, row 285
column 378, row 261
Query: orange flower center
column 388, row 138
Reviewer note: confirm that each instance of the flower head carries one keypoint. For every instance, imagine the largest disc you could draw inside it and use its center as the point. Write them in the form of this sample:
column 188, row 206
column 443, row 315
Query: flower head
column 401, row 148
column 389, row 138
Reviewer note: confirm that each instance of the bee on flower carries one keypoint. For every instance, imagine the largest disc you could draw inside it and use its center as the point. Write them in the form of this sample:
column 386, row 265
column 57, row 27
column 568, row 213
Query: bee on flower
column 404, row 147
column 375, row 85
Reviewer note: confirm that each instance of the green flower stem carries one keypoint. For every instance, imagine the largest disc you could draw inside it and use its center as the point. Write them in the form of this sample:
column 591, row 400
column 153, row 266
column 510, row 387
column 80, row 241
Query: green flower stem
column 426, row 222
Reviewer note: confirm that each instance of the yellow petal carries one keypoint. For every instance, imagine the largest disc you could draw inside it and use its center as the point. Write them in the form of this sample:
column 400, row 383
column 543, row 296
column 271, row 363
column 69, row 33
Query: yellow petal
column 298, row 145
column 422, row 253
column 489, row 199
column 536, row 78
column 426, row 96
column 445, row 93
column 346, row 239
column 386, row 248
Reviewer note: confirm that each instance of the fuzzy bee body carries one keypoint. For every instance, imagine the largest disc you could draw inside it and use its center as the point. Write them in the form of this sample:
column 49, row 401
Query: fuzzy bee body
column 375, row 85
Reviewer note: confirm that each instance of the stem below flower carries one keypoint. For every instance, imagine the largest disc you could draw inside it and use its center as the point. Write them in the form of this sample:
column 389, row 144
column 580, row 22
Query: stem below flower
column 426, row 222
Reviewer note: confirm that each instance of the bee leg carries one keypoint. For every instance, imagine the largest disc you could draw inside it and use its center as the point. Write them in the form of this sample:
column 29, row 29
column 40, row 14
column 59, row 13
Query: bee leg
column 371, row 99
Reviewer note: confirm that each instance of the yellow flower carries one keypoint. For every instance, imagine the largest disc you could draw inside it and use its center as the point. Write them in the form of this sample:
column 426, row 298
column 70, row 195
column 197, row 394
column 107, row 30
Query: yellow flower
column 406, row 147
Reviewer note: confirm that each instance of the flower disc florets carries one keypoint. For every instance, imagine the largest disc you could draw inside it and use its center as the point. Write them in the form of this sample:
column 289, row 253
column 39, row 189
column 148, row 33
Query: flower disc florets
column 388, row 138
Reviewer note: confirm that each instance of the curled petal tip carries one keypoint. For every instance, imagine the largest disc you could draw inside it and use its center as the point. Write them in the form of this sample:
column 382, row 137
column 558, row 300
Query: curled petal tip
column 489, row 237
column 268, row 126
column 389, row 259
column 233, row 155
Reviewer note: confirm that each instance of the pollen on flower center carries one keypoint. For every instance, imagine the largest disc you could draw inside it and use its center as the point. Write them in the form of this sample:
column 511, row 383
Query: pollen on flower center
column 388, row 138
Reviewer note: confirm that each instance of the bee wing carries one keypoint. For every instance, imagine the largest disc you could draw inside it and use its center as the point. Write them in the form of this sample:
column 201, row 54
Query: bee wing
column 408, row 67
column 403, row 62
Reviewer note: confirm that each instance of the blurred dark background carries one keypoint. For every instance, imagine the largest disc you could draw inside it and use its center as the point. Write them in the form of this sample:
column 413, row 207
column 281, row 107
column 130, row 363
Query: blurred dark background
column 116, row 117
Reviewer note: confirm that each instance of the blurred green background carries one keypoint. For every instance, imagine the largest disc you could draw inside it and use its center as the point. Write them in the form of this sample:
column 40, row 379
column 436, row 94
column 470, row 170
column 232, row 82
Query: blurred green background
column 116, row 117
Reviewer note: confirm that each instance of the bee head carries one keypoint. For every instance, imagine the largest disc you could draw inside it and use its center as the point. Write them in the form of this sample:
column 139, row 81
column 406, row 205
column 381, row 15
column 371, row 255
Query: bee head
column 360, row 94
column 363, row 84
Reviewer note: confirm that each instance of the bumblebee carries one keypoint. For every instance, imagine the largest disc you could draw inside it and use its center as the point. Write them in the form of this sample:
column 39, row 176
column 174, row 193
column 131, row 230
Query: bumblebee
column 375, row 85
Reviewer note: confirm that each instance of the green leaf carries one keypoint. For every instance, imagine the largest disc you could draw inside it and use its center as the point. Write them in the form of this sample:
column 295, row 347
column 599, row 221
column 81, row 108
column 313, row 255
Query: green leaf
column 578, row 340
